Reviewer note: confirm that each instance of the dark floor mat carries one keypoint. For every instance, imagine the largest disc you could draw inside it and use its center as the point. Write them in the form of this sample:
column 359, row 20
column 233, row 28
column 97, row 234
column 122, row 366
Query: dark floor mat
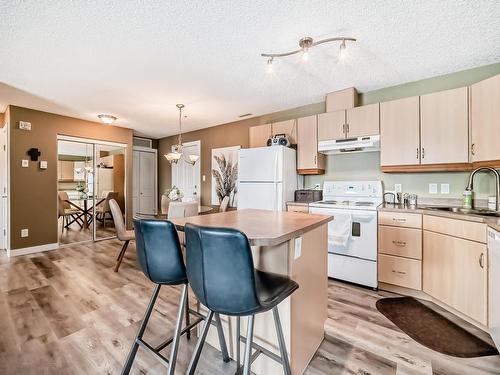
column 433, row 330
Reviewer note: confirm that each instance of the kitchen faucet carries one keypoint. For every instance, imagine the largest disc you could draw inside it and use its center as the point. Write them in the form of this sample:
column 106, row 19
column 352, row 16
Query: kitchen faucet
column 497, row 175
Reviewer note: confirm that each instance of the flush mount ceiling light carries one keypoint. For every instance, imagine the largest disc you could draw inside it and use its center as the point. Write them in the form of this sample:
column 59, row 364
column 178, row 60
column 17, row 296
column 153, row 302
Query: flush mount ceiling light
column 175, row 155
column 305, row 44
column 107, row 119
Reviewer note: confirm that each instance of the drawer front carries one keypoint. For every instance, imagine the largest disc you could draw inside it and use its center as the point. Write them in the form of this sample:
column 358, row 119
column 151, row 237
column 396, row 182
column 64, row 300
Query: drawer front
column 404, row 242
column 400, row 219
column 294, row 208
column 400, row 271
column 468, row 230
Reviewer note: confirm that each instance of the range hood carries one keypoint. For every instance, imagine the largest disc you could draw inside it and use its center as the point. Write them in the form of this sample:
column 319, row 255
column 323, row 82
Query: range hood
column 368, row 143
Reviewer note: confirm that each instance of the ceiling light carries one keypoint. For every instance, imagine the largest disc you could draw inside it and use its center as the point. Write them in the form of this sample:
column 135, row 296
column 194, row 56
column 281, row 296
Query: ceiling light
column 270, row 65
column 305, row 44
column 175, row 155
column 107, row 119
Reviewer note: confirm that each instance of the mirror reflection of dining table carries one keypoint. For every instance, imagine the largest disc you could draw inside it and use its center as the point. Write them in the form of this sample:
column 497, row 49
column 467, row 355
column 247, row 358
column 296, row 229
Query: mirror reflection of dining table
column 86, row 207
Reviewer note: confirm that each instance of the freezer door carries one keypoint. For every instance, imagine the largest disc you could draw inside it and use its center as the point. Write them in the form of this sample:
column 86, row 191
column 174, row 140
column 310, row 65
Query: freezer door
column 261, row 164
column 263, row 196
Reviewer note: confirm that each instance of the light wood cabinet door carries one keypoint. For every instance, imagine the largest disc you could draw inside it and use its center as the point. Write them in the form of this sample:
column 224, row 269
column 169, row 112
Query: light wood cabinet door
column 401, row 242
column 399, row 271
column 259, row 135
column 67, row 170
column 485, row 119
column 400, row 132
column 331, row 125
column 363, row 120
column 444, row 129
column 455, row 272
column 308, row 159
column 288, row 127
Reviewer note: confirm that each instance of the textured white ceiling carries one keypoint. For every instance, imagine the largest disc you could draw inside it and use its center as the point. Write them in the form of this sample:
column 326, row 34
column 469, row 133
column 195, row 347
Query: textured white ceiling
column 137, row 59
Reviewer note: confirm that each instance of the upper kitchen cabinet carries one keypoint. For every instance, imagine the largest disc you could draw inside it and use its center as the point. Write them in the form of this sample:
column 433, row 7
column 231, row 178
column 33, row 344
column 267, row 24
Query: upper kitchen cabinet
column 444, row 127
column 331, row 125
column 259, row 135
column 66, row 170
column 400, row 132
column 308, row 159
column 364, row 120
column 342, row 99
column 287, row 127
column 485, row 120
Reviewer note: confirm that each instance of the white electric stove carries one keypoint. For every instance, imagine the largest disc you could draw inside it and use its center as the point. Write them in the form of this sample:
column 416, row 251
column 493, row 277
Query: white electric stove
column 356, row 261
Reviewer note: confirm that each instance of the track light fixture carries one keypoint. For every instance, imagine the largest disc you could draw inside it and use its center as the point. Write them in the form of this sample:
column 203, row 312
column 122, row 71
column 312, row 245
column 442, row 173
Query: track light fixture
column 305, row 44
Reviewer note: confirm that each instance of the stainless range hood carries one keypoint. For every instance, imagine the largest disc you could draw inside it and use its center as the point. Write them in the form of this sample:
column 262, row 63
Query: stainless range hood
column 370, row 143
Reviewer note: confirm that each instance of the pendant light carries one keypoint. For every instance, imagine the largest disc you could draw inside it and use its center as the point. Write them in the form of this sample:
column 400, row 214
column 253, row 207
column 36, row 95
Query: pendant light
column 175, row 155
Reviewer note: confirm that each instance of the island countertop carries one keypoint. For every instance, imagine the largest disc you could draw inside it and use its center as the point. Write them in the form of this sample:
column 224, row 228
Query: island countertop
column 262, row 227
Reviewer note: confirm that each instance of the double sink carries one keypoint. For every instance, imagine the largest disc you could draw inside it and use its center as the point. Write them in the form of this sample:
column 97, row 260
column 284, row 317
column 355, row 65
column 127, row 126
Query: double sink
column 460, row 210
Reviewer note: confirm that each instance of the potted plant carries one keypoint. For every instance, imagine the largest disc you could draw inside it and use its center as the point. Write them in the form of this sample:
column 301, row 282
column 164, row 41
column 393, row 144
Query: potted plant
column 174, row 194
column 82, row 189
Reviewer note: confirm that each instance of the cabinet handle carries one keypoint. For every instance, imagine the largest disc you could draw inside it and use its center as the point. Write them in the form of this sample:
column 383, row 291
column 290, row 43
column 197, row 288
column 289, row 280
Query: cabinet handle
column 423, row 153
column 472, row 149
column 399, row 243
column 481, row 260
column 399, row 272
column 347, row 128
column 316, row 160
column 401, row 220
column 418, row 152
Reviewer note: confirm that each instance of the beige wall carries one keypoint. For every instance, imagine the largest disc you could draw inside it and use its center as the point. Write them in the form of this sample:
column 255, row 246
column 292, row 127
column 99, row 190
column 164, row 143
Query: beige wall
column 2, row 119
column 34, row 191
column 352, row 166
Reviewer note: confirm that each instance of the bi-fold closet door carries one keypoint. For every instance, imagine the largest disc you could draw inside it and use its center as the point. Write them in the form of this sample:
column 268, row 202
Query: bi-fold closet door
column 144, row 182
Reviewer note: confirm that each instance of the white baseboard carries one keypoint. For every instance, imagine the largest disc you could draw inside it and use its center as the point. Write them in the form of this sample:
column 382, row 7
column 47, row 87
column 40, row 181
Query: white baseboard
column 32, row 249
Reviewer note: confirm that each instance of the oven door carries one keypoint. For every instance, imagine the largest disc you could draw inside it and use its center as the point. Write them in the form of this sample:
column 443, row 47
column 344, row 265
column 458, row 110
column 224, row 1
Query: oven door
column 363, row 240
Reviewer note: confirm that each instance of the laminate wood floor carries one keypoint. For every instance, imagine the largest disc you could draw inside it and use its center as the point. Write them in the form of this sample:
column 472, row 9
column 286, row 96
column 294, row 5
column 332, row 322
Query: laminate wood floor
column 67, row 312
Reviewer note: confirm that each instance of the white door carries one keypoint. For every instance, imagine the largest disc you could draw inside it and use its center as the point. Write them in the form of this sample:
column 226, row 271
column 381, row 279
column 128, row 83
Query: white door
column 262, row 196
column 261, row 164
column 147, row 182
column 186, row 176
column 3, row 189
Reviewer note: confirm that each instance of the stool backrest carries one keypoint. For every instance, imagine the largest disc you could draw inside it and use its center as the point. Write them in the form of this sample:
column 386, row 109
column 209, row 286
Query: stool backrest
column 116, row 212
column 220, row 269
column 159, row 251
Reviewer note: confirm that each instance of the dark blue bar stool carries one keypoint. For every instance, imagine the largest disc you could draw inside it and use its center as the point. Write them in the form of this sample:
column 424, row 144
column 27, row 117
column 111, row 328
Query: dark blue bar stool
column 221, row 272
column 160, row 257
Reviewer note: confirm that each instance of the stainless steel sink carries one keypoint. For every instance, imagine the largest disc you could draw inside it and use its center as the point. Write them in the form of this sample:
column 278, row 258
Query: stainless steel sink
column 474, row 211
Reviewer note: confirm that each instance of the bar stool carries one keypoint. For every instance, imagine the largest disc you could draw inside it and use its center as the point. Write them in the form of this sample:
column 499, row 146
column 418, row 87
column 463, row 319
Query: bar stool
column 221, row 273
column 160, row 257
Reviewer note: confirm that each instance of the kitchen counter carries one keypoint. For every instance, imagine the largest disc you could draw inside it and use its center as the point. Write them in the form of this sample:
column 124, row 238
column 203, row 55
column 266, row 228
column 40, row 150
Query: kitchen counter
column 293, row 244
column 493, row 222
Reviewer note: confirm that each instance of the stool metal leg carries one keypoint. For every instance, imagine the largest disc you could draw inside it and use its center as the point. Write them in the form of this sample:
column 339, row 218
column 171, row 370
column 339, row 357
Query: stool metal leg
column 248, row 346
column 238, row 341
column 188, row 320
column 177, row 334
column 140, row 333
column 222, row 339
column 281, row 341
column 199, row 345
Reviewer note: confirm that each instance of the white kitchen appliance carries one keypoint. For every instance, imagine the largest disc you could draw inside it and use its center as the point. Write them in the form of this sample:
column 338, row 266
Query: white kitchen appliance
column 494, row 285
column 356, row 260
column 267, row 177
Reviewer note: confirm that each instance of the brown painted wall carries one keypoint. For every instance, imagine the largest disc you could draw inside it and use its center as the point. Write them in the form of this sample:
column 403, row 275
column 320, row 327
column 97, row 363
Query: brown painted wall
column 2, row 119
column 34, row 191
column 231, row 134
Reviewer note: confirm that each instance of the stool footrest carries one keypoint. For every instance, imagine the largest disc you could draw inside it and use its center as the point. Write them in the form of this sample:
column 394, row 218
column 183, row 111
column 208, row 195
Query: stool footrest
column 168, row 341
column 261, row 350
column 143, row 344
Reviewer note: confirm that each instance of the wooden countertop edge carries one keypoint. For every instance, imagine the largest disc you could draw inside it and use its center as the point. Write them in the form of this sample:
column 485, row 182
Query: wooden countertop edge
column 492, row 222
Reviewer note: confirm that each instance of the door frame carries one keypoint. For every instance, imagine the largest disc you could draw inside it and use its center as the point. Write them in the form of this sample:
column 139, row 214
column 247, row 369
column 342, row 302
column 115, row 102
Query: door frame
column 155, row 152
column 5, row 170
column 198, row 162
column 94, row 142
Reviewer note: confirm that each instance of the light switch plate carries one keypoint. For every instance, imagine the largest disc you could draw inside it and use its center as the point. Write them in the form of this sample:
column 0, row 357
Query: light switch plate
column 203, row 178
column 24, row 125
column 445, row 188
column 24, row 233
column 433, row 188
column 25, row 163
column 43, row 164
column 398, row 188
column 298, row 248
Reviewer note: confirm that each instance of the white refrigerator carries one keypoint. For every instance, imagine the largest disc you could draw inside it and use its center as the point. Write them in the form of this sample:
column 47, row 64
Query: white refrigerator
column 267, row 177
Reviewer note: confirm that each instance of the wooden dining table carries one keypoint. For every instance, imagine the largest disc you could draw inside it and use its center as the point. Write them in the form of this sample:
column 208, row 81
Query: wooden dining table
column 86, row 210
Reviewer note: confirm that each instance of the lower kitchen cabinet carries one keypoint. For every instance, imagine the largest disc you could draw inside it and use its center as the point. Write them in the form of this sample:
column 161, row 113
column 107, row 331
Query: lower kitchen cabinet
column 455, row 273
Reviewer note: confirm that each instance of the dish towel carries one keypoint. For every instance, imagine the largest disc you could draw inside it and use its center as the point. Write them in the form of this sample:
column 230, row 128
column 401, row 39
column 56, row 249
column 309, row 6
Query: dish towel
column 340, row 229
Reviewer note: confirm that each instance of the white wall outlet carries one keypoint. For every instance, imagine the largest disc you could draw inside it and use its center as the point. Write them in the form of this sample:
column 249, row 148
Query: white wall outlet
column 24, row 125
column 445, row 188
column 203, row 178
column 25, row 163
column 43, row 164
column 398, row 188
column 24, row 233
column 433, row 188
column 298, row 248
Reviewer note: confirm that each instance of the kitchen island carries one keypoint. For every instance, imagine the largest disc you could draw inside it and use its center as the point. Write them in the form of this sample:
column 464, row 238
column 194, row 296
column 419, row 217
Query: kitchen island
column 292, row 244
